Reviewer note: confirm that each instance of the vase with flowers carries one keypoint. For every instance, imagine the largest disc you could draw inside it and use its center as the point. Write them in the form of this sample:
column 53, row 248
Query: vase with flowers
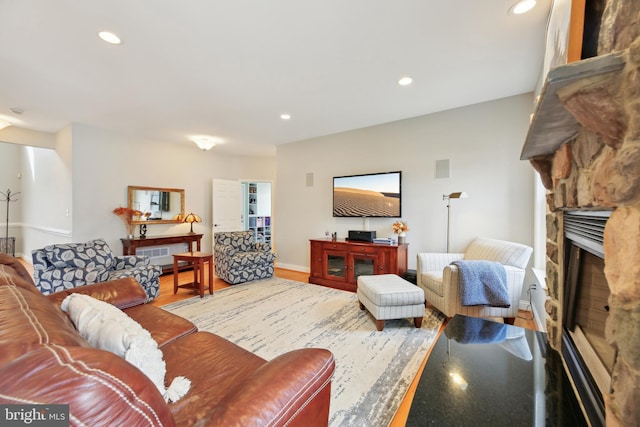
column 400, row 228
column 129, row 215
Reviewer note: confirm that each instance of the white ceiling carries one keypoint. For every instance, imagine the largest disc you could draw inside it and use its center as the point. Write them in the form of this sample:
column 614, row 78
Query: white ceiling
column 230, row 68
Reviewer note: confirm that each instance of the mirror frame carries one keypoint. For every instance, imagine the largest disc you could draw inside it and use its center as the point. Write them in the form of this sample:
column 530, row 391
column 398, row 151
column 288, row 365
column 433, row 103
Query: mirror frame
column 133, row 188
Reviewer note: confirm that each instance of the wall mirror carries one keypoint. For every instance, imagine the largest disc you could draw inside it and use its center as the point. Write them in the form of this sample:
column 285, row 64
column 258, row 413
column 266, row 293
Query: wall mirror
column 162, row 205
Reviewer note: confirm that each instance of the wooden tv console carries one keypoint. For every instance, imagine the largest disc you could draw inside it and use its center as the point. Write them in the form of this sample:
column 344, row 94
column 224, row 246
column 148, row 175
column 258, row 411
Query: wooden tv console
column 338, row 263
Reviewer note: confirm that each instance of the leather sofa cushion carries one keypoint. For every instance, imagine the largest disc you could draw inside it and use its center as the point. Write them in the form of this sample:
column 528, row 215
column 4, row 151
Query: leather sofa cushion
column 122, row 293
column 13, row 273
column 128, row 295
column 244, row 389
column 28, row 320
column 99, row 387
column 202, row 353
column 164, row 327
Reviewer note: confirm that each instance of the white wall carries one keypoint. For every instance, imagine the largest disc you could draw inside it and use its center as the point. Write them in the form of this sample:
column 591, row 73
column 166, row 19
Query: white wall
column 47, row 189
column 105, row 163
column 43, row 179
column 68, row 192
column 482, row 142
column 9, row 180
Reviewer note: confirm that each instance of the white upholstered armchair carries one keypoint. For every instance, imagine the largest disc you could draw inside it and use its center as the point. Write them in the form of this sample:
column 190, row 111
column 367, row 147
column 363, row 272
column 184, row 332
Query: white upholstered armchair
column 441, row 282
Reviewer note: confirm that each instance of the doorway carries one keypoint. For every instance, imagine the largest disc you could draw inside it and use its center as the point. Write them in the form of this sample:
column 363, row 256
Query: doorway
column 243, row 205
column 256, row 209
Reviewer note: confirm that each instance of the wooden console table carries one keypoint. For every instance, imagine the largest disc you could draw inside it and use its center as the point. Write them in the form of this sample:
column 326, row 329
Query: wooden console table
column 338, row 263
column 129, row 246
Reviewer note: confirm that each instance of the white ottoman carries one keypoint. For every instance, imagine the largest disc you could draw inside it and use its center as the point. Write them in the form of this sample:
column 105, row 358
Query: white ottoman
column 388, row 296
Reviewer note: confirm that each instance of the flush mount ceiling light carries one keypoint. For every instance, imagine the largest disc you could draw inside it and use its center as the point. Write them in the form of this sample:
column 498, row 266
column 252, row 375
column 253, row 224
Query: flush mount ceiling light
column 109, row 37
column 523, row 6
column 4, row 124
column 405, row 81
column 205, row 142
column 285, row 116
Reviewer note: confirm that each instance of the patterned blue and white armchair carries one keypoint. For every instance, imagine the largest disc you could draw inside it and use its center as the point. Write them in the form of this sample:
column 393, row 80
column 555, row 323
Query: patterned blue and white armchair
column 64, row 266
column 238, row 258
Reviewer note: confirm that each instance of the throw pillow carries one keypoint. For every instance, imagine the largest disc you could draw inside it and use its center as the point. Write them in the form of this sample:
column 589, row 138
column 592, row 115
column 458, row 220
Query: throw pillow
column 108, row 328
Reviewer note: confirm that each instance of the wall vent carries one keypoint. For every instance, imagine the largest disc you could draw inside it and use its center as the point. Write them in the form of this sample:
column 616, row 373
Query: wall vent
column 154, row 252
column 162, row 255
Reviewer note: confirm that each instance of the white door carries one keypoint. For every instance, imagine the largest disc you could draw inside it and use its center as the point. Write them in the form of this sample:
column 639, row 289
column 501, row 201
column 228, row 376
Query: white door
column 227, row 205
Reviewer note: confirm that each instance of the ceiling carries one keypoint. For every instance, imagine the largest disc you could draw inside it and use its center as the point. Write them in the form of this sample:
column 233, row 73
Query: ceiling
column 230, row 68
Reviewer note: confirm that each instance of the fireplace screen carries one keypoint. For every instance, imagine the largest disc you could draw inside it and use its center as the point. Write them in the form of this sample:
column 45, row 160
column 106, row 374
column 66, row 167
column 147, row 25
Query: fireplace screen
column 587, row 312
column 590, row 359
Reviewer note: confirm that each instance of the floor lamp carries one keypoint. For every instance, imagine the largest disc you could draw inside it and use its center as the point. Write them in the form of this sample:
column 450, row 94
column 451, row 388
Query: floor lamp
column 448, row 197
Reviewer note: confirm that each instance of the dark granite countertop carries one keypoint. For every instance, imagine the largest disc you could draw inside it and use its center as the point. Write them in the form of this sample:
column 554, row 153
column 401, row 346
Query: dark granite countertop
column 486, row 373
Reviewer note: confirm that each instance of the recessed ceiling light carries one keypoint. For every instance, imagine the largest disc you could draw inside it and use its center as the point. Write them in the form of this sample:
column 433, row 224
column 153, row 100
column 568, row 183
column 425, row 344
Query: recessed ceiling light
column 16, row 110
column 523, row 6
column 285, row 116
column 109, row 37
column 405, row 81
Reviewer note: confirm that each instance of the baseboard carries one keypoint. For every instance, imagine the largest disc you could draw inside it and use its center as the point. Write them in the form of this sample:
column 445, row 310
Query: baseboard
column 293, row 267
column 524, row 305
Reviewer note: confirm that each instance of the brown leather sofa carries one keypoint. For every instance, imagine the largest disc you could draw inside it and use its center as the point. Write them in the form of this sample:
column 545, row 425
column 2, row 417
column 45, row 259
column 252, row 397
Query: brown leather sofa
column 43, row 360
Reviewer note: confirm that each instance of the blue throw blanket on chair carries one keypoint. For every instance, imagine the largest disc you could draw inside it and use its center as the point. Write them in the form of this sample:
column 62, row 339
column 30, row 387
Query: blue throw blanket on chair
column 483, row 283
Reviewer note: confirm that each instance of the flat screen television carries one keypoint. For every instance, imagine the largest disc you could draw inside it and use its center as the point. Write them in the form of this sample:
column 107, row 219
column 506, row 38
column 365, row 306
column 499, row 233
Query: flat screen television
column 377, row 195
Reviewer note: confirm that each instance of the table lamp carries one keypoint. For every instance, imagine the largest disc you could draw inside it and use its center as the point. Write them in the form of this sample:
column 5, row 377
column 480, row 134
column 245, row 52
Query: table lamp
column 191, row 218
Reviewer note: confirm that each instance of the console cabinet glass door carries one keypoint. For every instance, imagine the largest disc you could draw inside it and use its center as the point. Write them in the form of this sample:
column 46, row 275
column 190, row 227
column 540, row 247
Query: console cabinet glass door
column 363, row 265
column 336, row 265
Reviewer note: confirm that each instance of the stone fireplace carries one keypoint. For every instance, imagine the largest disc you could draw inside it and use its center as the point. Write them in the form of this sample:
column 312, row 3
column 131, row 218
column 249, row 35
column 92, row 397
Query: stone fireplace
column 584, row 141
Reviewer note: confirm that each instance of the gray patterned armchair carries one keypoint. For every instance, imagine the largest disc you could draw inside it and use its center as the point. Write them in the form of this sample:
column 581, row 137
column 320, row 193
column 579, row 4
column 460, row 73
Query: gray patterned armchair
column 64, row 266
column 238, row 259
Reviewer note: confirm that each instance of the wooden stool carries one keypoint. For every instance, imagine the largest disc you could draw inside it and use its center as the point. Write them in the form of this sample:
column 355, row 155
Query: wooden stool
column 197, row 259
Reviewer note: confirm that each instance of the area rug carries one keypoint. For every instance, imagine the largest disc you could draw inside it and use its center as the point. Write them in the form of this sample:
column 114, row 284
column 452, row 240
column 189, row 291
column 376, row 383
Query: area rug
column 270, row 317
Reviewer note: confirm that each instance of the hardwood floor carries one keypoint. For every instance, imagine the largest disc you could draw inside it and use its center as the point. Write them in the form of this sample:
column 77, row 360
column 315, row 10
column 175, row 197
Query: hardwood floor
column 167, row 296
column 166, row 285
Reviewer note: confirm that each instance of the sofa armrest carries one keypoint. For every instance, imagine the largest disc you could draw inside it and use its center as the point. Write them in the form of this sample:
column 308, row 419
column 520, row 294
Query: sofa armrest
column 100, row 387
column 293, row 389
column 436, row 261
column 515, row 279
column 262, row 247
column 20, row 270
column 122, row 293
column 128, row 261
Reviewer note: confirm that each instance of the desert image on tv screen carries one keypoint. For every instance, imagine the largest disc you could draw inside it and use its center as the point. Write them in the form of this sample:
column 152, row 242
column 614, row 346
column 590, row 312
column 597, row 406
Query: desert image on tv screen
column 367, row 195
